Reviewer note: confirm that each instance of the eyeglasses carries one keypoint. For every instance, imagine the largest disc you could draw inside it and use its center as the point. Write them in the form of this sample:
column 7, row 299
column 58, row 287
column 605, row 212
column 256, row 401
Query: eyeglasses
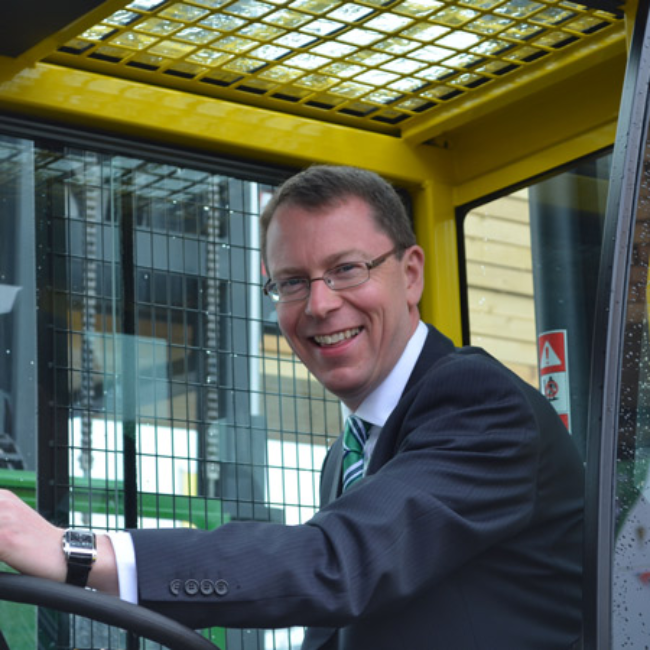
column 343, row 276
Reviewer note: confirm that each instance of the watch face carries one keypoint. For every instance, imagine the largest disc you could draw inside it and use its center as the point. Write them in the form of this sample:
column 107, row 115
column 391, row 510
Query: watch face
column 81, row 539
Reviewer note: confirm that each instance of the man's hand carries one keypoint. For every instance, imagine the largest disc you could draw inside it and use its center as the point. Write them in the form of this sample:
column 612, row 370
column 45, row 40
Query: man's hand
column 29, row 543
column 32, row 545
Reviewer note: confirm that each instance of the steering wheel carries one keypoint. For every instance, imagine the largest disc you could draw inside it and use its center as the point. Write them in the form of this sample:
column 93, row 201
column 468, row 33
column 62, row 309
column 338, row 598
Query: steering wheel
column 102, row 608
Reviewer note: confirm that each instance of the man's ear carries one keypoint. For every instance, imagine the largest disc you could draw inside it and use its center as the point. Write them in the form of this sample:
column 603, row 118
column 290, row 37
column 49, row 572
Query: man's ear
column 413, row 265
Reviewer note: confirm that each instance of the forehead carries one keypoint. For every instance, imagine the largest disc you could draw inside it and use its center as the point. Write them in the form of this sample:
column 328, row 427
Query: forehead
column 299, row 237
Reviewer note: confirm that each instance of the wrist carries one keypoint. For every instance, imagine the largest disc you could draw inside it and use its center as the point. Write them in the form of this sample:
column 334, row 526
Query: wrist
column 80, row 553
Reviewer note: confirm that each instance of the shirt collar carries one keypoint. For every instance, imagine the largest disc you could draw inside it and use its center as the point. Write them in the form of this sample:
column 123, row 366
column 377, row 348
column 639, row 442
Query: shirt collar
column 378, row 406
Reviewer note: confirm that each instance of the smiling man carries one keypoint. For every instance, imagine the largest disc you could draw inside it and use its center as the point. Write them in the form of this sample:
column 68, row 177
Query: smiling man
column 451, row 508
column 350, row 339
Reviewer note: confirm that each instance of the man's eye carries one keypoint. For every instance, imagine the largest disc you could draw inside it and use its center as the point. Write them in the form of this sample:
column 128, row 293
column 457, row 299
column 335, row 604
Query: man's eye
column 345, row 269
column 290, row 285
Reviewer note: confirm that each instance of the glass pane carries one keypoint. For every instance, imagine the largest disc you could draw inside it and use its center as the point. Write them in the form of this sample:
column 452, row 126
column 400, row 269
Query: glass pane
column 169, row 395
column 17, row 307
column 531, row 264
column 631, row 565
column 18, row 360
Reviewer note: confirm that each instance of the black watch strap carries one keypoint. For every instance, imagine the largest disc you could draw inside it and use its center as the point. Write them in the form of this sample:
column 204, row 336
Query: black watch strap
column 78, row 574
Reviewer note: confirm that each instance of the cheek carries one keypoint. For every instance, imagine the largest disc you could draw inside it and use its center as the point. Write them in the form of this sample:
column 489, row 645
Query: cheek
column 287, row 322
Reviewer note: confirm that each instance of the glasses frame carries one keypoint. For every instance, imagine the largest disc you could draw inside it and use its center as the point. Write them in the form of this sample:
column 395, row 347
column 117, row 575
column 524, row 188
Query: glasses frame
column 270, row 285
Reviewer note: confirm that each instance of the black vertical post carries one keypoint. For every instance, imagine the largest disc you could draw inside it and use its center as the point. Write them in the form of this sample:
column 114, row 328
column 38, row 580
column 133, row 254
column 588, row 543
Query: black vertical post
column 129, row 372
column 565, row 243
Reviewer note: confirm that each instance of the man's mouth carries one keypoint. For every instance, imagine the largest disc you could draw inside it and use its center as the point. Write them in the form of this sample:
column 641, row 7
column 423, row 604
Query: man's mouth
column 333, row 339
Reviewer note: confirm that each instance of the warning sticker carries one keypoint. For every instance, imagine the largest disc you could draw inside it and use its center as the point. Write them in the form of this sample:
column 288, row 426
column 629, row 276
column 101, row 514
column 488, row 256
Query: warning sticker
column 554, row 372
column 552, row 352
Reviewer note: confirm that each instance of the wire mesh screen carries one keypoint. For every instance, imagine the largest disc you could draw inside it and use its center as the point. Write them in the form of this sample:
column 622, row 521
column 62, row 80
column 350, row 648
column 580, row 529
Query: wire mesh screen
column 174, row 401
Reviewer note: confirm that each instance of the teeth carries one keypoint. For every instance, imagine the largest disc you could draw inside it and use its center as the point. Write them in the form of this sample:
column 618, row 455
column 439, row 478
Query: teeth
column 331, row 339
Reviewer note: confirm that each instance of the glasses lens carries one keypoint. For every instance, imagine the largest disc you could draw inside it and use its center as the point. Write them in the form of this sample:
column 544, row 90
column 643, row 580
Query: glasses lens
column 347, row 275
column 291, row 289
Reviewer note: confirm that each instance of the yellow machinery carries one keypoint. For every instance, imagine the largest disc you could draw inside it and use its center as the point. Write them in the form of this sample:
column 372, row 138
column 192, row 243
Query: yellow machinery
column 453, row 100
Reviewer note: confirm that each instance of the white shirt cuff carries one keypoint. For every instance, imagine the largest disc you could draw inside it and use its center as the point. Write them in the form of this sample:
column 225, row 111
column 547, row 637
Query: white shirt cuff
column 127, row 574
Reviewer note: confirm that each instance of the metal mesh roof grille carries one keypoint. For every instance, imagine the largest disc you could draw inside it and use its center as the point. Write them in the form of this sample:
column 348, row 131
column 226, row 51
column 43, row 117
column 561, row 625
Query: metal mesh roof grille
column 380, row 62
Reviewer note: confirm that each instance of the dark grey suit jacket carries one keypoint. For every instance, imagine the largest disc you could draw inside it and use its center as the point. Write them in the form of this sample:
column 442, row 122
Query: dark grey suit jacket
column 465, row 534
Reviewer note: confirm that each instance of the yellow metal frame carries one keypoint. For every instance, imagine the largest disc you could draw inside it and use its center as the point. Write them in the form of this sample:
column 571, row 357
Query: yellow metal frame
column 538, row 121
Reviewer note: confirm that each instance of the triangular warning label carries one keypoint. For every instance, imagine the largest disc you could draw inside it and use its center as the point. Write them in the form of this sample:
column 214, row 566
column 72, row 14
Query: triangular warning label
column 548, row 357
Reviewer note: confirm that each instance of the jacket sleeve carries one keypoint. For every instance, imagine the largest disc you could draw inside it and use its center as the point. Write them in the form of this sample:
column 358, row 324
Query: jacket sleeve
column 454, row 473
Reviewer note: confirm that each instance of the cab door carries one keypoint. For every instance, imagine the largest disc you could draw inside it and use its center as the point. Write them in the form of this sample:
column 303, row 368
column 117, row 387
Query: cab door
column 617, row 561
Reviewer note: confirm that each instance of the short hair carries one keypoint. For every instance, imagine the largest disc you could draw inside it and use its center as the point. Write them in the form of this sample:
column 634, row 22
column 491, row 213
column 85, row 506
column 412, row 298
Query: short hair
column 322, row 186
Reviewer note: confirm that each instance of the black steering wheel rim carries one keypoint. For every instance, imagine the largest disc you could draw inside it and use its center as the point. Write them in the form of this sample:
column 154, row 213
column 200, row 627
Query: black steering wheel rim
column 103, row 608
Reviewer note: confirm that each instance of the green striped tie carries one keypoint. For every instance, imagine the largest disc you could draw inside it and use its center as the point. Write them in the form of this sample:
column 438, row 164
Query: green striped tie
column 355, row 437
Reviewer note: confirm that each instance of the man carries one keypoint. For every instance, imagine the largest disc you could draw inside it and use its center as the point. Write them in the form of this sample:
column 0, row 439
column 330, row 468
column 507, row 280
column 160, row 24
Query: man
column 457, row 527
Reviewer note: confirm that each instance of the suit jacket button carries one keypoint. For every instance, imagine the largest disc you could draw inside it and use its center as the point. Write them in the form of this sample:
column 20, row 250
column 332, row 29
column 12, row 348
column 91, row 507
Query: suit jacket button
column 175, row 587
column 191, row 587
column 207, row 588
column 221, row 587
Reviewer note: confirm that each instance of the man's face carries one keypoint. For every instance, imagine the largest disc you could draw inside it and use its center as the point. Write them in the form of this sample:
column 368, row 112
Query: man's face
column 350, row 339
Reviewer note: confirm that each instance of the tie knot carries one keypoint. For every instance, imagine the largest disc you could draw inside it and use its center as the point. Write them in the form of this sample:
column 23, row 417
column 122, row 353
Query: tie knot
column 356, row 429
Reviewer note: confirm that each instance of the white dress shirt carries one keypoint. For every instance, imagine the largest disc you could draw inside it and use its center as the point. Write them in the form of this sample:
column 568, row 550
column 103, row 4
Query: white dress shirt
column 375, row 409
column 378, row 406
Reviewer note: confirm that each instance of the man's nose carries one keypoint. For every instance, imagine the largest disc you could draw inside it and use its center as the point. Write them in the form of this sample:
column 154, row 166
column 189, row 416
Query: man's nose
column 321, row 299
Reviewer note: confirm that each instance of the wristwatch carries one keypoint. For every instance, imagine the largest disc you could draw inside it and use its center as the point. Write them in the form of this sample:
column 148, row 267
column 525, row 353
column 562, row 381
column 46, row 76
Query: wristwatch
column 80, row 550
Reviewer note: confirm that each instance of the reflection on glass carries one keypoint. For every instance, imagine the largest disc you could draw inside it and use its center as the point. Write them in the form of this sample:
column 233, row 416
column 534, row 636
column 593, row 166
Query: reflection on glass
column 184, row 12
column 296, row 39
column 489, row 24
column 631, row 570
column 323, row 27
column 196, row 35
column 455, row 17
column 396, row 45
column 243, row 65
column 315, row 6
column 209, row 57
column 418, row 8
column 459, row 40
column 519, row 9
column 552, row 39
column 350, row 12
column 344, row 70
column 261, row 31
column 222, row 22
column 407, row 84
column 553, row 16
column 133, row 41
column 280, row 73
column 307, row 61
column 360, row 36
column 351, row 89
column 431, row 54
column 383, row 97
column 122, row 18
column 97, row 33
column 249, row 8
column 316, row 81
column 585, row 24
column 172, row 49
column 287, row 18
column 158, row 26
column 377, row 77
column 403, row 66
column 233, row 44
column 388, row 22
column 270, row 52
column 368, row 57
column 333, row 49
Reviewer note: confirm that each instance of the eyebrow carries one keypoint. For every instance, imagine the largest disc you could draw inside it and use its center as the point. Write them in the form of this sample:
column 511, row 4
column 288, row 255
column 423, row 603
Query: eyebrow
column 350, row 255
